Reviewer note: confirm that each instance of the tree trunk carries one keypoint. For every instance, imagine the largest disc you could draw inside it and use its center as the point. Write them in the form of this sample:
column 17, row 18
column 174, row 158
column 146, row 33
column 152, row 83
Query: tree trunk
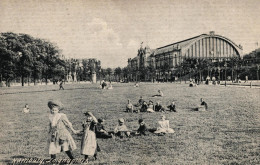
column 46, row 78
column 28, row 80
column 22, row 80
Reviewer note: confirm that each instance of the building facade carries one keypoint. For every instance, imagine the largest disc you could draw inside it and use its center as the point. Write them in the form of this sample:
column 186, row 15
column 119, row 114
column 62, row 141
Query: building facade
column 205, row 46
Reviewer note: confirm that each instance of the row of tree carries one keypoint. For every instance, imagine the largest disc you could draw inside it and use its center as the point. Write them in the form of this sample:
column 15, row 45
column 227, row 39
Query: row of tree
column 221, row 69
column 25, row 58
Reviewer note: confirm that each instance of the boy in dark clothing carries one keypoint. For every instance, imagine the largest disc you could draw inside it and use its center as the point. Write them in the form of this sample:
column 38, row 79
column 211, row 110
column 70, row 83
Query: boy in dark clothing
column 172, row 107
column 100, row 130
column 142, row 130
column 158, row 107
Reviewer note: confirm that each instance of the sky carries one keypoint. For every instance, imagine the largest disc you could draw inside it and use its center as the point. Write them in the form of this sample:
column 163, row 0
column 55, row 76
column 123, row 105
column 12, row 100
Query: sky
column 112, row 30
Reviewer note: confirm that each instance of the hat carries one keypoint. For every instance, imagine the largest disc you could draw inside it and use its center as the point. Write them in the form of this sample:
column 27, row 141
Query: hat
column 140, row 120
column 100, row 120
column 55, row 103
column 86, row 112
column 121, row 120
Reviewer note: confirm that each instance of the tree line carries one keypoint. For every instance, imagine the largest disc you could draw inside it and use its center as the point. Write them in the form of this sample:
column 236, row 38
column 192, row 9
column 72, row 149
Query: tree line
column 25, row 58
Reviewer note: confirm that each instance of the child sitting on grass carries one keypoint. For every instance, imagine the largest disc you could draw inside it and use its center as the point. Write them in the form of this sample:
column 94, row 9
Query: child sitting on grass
column 100, row 130
column 158, row 107
column 144, row 107
column 121, row 130
column 142, row 130
column 60, row 138
column 163, row 126
column 202, row 107
column 26, row 109
column 172, row 107
column 140, row 102
column 160, row 94
column 150, row 107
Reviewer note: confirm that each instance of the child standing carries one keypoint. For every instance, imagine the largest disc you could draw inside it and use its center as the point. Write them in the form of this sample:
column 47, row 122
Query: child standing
column 89, row 143
column 60, row 138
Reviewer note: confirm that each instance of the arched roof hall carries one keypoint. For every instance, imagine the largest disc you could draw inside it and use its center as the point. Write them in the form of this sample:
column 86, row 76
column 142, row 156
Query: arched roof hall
column 203, row 46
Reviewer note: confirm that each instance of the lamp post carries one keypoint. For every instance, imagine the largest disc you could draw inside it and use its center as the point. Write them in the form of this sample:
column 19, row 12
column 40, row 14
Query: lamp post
column 225, row 65
column 257, row 70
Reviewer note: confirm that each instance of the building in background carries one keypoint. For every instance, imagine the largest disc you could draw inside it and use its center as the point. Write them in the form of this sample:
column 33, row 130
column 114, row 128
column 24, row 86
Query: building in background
column 167, row 58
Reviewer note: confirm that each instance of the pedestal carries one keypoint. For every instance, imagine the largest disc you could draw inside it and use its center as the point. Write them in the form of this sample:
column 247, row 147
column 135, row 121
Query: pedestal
column 94, row 78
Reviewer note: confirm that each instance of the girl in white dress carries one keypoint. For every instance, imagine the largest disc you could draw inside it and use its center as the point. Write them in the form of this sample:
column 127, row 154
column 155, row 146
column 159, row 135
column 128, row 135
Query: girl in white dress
column 60, row 138
column 89, row 146
column 163, row 126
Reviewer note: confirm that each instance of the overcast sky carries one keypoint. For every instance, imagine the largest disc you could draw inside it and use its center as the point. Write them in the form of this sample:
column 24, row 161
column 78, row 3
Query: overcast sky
column 112, row 30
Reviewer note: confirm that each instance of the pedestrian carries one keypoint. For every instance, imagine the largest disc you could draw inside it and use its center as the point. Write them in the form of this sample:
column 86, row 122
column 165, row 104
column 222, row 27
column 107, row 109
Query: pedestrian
column 61, row 85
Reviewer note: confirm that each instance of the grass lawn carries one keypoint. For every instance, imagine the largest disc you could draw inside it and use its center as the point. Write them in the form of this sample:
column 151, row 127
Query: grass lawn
column 228, row 133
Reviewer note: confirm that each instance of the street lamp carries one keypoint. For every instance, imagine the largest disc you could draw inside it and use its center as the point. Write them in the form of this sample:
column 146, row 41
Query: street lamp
column 225, row 65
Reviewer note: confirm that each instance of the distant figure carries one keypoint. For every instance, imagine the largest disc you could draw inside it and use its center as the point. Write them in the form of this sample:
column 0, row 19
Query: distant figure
column 172, row 107
column 104, row 84
column 110, row 86
column 129, row 107
column 160, row 94
column 207, row 80
column 136, row 85
column 163, row 126
column 203, row 106
column 61, row 85
column 192, row 84
column 26, row 109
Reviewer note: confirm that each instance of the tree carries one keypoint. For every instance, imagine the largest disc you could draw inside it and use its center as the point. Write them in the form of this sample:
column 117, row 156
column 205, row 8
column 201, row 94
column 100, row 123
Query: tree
column 109, row 72
column 117, row 73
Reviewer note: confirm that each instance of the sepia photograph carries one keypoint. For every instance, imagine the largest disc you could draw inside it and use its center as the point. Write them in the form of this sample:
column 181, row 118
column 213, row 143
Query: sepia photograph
column 149, row 82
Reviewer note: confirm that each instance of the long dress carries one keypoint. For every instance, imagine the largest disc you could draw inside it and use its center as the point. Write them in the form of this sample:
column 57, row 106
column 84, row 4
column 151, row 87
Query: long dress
column 164, row 127
column 89, row 142
column 60, row 138
column 150, row 108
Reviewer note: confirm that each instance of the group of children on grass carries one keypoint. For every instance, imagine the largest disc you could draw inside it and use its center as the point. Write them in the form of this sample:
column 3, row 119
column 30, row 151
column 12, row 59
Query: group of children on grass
column 61, row 140
column 143, row 106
